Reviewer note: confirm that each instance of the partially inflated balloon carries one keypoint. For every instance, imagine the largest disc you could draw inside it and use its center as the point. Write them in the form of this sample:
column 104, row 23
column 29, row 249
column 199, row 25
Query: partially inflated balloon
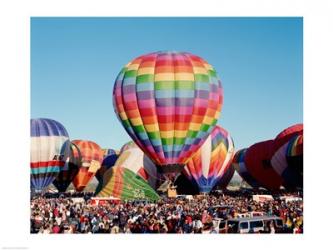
column 258, row 162
column 124, row 184
column 168, row 102
column 49, row 146
column 295, row 153
column 295, row 146
column 290, row 168
column 70, row 170
column 239, row 165
column 133, row 158
column 287, row 134
column 212, row 161
column 92, row 156
column 110, row 157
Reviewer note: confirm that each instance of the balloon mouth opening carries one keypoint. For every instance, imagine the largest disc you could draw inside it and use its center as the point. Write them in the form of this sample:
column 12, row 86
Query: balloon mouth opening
column 170, row 168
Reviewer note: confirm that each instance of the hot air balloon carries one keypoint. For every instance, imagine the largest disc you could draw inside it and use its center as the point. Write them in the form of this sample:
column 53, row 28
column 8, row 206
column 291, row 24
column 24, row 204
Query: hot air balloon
column 258, row 162
column 122, row 183
column 70, row 170
column 287, row 134
column 212, row 160
column 110, row 157
column 295, row 153
column 288, row 162
column 133, row 158
column 168, row 102
column 49, row 144
column 239, row 165
column 92, row 157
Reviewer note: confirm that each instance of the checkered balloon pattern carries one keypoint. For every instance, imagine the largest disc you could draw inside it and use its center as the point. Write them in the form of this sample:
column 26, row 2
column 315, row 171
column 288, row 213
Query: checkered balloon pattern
column 168, row 102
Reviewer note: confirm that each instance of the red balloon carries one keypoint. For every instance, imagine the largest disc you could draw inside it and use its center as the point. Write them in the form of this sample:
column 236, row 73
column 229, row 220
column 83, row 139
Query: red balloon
column 258, row 162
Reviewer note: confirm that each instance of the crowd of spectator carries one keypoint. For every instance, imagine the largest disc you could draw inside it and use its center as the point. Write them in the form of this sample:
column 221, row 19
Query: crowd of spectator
column 52, row 214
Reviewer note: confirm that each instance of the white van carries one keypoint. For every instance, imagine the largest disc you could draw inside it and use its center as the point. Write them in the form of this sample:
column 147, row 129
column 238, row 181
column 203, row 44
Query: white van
column 254, row 224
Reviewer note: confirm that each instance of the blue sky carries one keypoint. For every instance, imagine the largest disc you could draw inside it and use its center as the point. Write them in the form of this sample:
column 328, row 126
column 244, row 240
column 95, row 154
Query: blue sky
column 74, row 63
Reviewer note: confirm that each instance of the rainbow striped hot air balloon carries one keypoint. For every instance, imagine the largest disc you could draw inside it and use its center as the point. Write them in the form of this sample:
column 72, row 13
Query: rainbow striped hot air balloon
column 92, row 157
column 284, row 136
column 168, row 102
column 286, row 169
column 288, row 162
column 212, row 161
column 295, row 155
column 295, row 146
column 49, row 146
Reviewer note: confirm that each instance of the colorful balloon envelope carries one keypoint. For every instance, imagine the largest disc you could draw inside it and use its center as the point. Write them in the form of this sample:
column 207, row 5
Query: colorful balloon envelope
column 295, row 153
column 110, row 157
column 92, row 157
column 287, row 134
column 212, row 161
column 49, row 143
column 133, row 158
column 70, row 170
column 124, row 184
column 258, row 162
column 290, row 168
column 238, row 164
column 295, row 146
column 168, row 102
